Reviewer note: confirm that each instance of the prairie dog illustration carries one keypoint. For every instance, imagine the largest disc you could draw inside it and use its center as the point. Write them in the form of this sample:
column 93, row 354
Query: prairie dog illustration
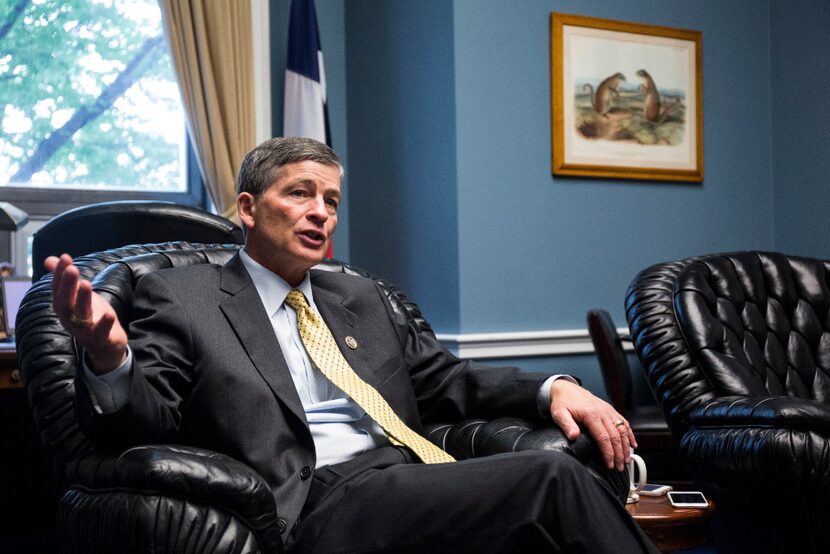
column 601, row 99
column 651, row 98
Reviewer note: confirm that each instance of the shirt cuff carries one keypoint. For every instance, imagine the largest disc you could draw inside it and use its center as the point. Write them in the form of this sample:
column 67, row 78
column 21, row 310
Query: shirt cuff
column 109, row 392
column 543, row 396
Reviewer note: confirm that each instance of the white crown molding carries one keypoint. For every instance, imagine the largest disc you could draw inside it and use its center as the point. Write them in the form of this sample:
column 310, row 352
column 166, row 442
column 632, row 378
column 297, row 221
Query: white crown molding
column 523, row 344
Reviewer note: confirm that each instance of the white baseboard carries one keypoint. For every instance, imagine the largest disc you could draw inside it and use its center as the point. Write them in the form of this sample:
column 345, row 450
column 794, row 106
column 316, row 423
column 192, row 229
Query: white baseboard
column 523, row 344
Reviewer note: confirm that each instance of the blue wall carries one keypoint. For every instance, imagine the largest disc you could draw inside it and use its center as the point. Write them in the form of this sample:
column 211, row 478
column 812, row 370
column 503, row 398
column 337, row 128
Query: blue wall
column 402, row 129
column 564, row 245
column 800, row 84
column 456, row 147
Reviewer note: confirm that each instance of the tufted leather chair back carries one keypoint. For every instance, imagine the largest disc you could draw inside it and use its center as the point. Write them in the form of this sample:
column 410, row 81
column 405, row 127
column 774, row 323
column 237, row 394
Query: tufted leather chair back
column 746, row 324
column 97, row 227
column 737, row 349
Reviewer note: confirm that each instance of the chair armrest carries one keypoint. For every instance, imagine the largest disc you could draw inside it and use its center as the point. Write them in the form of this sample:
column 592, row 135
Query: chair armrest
column 737, row 442
column 472, row 438
column 773, row 411
column 148, row 493
column 475, row 437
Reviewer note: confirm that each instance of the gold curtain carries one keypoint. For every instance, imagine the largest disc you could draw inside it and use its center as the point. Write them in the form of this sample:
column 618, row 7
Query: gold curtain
column 210, row 41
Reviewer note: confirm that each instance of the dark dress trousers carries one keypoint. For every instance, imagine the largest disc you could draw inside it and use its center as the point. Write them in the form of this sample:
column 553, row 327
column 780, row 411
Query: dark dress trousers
column 208, row 372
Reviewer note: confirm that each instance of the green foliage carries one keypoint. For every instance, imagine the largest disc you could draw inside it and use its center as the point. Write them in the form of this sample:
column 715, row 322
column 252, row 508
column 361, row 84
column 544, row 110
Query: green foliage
column 63, row 58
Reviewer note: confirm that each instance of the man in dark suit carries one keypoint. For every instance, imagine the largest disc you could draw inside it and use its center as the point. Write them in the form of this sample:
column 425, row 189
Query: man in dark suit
column 202, row 367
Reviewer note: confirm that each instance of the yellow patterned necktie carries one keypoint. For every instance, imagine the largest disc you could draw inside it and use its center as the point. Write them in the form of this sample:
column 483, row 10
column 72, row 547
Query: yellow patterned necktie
column 327, row 357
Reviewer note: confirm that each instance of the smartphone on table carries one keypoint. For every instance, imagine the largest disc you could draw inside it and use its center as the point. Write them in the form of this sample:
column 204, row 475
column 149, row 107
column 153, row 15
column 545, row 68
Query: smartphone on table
column 688, row 499
column 653, row 489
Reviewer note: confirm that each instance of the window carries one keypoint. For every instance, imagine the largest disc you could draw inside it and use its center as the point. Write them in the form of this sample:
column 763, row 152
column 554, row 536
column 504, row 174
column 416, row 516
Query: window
column 90, row 105
column 89, row 111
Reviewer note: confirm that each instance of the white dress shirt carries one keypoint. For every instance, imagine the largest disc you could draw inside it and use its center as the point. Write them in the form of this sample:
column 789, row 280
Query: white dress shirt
column 340, row 428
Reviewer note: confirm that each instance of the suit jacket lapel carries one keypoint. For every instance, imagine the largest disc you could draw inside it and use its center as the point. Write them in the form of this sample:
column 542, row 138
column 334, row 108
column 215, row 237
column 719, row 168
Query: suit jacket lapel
column 247, row 317
column 342, row 323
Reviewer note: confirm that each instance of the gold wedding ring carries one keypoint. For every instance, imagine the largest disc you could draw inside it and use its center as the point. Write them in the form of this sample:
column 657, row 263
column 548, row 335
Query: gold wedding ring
column 78, row 321
column 619, row 423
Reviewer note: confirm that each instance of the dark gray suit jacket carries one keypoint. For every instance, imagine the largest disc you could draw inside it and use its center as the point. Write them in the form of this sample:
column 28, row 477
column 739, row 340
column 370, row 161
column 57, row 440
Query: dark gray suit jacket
column 209, row 372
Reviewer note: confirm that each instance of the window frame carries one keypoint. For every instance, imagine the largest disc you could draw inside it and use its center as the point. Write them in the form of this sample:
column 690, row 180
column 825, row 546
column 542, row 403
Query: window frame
column 43, row 203
column 46, row 201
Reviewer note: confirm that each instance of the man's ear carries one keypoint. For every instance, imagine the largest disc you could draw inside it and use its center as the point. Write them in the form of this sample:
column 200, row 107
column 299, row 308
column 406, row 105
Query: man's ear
column 246, row 207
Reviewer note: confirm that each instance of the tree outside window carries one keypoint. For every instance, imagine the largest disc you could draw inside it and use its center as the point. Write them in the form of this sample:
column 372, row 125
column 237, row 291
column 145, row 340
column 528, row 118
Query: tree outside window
column 88, row 98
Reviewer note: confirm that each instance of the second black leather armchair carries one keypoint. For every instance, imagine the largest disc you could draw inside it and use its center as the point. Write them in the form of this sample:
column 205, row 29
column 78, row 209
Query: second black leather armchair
column 737, row 350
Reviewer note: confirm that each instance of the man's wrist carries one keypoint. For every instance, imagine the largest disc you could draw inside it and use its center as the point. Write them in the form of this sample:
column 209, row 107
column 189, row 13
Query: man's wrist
column 543, row 398
column 109, row 391
column 102, row 364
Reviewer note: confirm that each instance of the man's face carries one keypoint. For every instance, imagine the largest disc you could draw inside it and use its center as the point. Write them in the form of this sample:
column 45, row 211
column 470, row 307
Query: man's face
column 290, row 225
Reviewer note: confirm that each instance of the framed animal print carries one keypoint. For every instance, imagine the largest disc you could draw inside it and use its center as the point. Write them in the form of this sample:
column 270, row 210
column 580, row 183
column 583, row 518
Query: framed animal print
column 626, row 100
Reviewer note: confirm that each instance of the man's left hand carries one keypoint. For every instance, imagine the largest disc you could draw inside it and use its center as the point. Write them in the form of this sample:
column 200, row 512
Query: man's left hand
column 571, row 405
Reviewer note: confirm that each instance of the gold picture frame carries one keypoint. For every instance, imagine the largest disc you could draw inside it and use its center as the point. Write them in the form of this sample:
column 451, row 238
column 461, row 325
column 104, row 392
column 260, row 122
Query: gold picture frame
column 609, row 118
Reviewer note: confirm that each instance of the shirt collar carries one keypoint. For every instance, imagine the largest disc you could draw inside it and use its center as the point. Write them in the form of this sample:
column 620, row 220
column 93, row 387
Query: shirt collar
column 271, row 287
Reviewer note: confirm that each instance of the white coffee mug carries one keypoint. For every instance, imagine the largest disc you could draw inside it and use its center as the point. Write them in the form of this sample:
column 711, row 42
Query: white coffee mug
column 637, row 477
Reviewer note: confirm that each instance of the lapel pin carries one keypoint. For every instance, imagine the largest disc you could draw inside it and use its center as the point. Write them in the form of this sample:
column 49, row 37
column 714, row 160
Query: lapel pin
column 351, row 342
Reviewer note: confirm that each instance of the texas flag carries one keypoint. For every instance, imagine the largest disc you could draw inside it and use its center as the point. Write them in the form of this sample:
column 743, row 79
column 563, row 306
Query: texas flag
column 305, row 113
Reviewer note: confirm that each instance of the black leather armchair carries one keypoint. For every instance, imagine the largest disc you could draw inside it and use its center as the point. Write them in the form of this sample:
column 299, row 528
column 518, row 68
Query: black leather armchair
column 169, row 498
column 737, row 350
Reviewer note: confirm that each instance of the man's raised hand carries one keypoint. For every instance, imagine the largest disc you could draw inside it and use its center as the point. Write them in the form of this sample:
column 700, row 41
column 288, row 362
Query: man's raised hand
column 86, row 315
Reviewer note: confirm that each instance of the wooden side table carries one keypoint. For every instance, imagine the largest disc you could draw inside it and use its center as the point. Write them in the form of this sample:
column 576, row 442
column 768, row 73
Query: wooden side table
column 9, row 370
column 671, row 528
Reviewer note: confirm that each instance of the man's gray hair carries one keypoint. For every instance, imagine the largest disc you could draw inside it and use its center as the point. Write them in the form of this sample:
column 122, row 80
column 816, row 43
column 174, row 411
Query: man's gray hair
column 260, row 166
